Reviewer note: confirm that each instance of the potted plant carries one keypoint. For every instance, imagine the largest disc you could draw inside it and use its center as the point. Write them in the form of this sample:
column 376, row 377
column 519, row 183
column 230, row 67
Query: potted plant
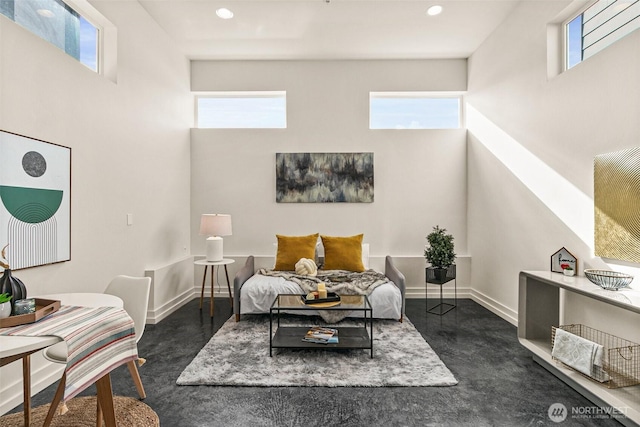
column 567, row 270
column 439, row 252
column 5, row 305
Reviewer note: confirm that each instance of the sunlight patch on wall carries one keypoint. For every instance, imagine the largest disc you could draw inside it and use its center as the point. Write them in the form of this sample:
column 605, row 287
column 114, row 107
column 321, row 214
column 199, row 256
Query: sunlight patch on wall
column 564, row 199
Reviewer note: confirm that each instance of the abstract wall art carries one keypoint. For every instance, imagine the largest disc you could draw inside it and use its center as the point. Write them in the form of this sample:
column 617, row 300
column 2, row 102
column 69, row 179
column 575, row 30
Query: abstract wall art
column 616, row 196
column 35, row 195
column 324, row 177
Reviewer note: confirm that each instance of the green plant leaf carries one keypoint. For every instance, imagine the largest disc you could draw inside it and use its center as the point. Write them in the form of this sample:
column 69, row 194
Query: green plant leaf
column 440, row 251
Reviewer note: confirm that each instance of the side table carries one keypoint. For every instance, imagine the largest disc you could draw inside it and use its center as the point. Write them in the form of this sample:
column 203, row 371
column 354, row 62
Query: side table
column 213, row 264
column 442, row 307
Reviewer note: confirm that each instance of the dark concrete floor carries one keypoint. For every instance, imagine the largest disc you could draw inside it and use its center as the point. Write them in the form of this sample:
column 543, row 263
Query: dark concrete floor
column 499, row 383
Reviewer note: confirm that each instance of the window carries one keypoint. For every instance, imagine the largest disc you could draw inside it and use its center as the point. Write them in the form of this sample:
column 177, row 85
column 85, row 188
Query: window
column 600, row 25
column 88, row 44
column 574, row 41
column 414, row 110
column 242, row 110
column 57, row 23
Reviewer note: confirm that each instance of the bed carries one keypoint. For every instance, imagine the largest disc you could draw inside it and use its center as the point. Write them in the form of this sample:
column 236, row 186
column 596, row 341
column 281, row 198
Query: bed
column 255, row 290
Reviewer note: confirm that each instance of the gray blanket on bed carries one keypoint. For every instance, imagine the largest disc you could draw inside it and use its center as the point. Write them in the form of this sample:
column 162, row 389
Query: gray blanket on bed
column 338, row 281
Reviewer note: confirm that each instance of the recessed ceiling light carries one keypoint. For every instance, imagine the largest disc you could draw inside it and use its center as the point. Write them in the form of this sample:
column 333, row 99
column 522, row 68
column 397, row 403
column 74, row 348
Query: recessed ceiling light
column 46, row 13
column 434, row 10
column 224, row 13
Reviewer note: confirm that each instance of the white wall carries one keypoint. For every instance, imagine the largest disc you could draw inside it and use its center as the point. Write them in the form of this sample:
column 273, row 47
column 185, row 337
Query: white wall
column 420, row 175
column 130, row 150
column 532, row 142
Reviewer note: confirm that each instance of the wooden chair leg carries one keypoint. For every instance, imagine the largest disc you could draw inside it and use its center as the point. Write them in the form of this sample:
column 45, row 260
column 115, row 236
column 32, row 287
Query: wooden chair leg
column 105, row 400
column 57, row 398
column 133, row 370
column 26, row 388
column 98, row 414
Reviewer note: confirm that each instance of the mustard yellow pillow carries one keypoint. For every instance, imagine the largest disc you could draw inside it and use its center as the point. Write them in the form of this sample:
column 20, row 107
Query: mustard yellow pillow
column 292, row 248
column 343, row 253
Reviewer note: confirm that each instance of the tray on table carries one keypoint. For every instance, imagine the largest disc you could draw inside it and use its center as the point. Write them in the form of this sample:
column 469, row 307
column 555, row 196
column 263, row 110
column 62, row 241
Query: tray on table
column 331, row 300
column 44, row 307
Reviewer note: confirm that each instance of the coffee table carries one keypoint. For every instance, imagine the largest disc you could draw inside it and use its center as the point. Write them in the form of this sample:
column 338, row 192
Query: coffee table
column 349, row 337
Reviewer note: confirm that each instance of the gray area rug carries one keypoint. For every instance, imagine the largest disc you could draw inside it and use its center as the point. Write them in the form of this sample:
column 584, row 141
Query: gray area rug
column 238, row 355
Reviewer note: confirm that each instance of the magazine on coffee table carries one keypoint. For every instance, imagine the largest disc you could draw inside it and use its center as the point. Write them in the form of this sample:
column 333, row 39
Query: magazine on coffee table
column 321, row 335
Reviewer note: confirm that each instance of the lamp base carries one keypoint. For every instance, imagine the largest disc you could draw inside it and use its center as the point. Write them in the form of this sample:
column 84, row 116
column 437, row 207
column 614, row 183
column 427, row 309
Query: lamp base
column 214, row 248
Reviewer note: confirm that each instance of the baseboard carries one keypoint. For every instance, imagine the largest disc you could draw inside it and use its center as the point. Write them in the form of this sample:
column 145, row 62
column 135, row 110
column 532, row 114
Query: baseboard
column 171, row 288
column 496, row 307
column 448, row 291
column 156, row 315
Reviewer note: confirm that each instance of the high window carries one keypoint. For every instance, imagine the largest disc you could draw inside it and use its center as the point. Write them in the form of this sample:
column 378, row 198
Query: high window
column 242, row 110
column 57, row 23
column 600, row 25
column 414, row 110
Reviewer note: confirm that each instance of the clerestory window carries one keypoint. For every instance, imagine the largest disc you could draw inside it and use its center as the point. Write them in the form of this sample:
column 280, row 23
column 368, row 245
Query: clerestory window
column 59, row 24
column 414, row 110
column 600, row 25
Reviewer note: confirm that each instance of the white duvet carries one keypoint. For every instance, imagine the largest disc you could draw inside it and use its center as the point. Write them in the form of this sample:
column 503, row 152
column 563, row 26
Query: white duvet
column 259, row 292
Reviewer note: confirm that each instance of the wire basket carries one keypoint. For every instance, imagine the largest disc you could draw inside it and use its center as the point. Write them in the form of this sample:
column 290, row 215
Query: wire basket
column 621, row 358
column 606, row 279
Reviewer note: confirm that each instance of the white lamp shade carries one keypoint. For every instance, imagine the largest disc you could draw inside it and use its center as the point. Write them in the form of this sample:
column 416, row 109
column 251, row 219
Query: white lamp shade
column 215, row 225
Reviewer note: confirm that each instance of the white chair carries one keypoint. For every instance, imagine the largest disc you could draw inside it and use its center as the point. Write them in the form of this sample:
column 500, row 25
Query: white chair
column 134, row 292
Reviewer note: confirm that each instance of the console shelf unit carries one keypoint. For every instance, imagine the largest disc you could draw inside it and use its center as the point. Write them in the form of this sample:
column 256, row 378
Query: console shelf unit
column 539, row 309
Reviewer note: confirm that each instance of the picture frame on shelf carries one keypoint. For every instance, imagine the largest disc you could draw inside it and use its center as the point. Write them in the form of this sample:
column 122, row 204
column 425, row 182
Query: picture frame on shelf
column 563, row 258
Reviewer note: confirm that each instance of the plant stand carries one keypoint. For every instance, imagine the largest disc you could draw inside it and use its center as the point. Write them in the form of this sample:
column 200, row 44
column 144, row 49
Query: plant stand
column 442, row 307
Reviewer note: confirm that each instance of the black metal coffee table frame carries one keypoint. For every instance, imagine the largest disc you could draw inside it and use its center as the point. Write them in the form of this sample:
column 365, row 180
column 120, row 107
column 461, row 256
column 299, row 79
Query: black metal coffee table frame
column 349, row 337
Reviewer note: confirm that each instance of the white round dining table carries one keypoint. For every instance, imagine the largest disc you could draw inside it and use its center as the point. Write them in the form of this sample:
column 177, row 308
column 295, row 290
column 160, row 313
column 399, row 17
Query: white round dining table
column 85, row 299
column 22, row 346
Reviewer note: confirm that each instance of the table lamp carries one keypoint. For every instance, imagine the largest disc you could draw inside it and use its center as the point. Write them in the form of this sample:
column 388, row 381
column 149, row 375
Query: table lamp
column 214, row 226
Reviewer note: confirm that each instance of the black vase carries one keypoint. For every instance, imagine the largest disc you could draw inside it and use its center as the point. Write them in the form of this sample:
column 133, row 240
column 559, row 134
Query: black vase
column 12, row 286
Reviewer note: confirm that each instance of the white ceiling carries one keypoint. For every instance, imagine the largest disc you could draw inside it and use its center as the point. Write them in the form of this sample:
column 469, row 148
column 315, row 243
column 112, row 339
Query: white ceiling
column 335, row 29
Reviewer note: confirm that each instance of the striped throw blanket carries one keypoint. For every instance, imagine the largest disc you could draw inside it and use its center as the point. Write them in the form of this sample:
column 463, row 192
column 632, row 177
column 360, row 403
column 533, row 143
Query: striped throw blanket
column 99, row 339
